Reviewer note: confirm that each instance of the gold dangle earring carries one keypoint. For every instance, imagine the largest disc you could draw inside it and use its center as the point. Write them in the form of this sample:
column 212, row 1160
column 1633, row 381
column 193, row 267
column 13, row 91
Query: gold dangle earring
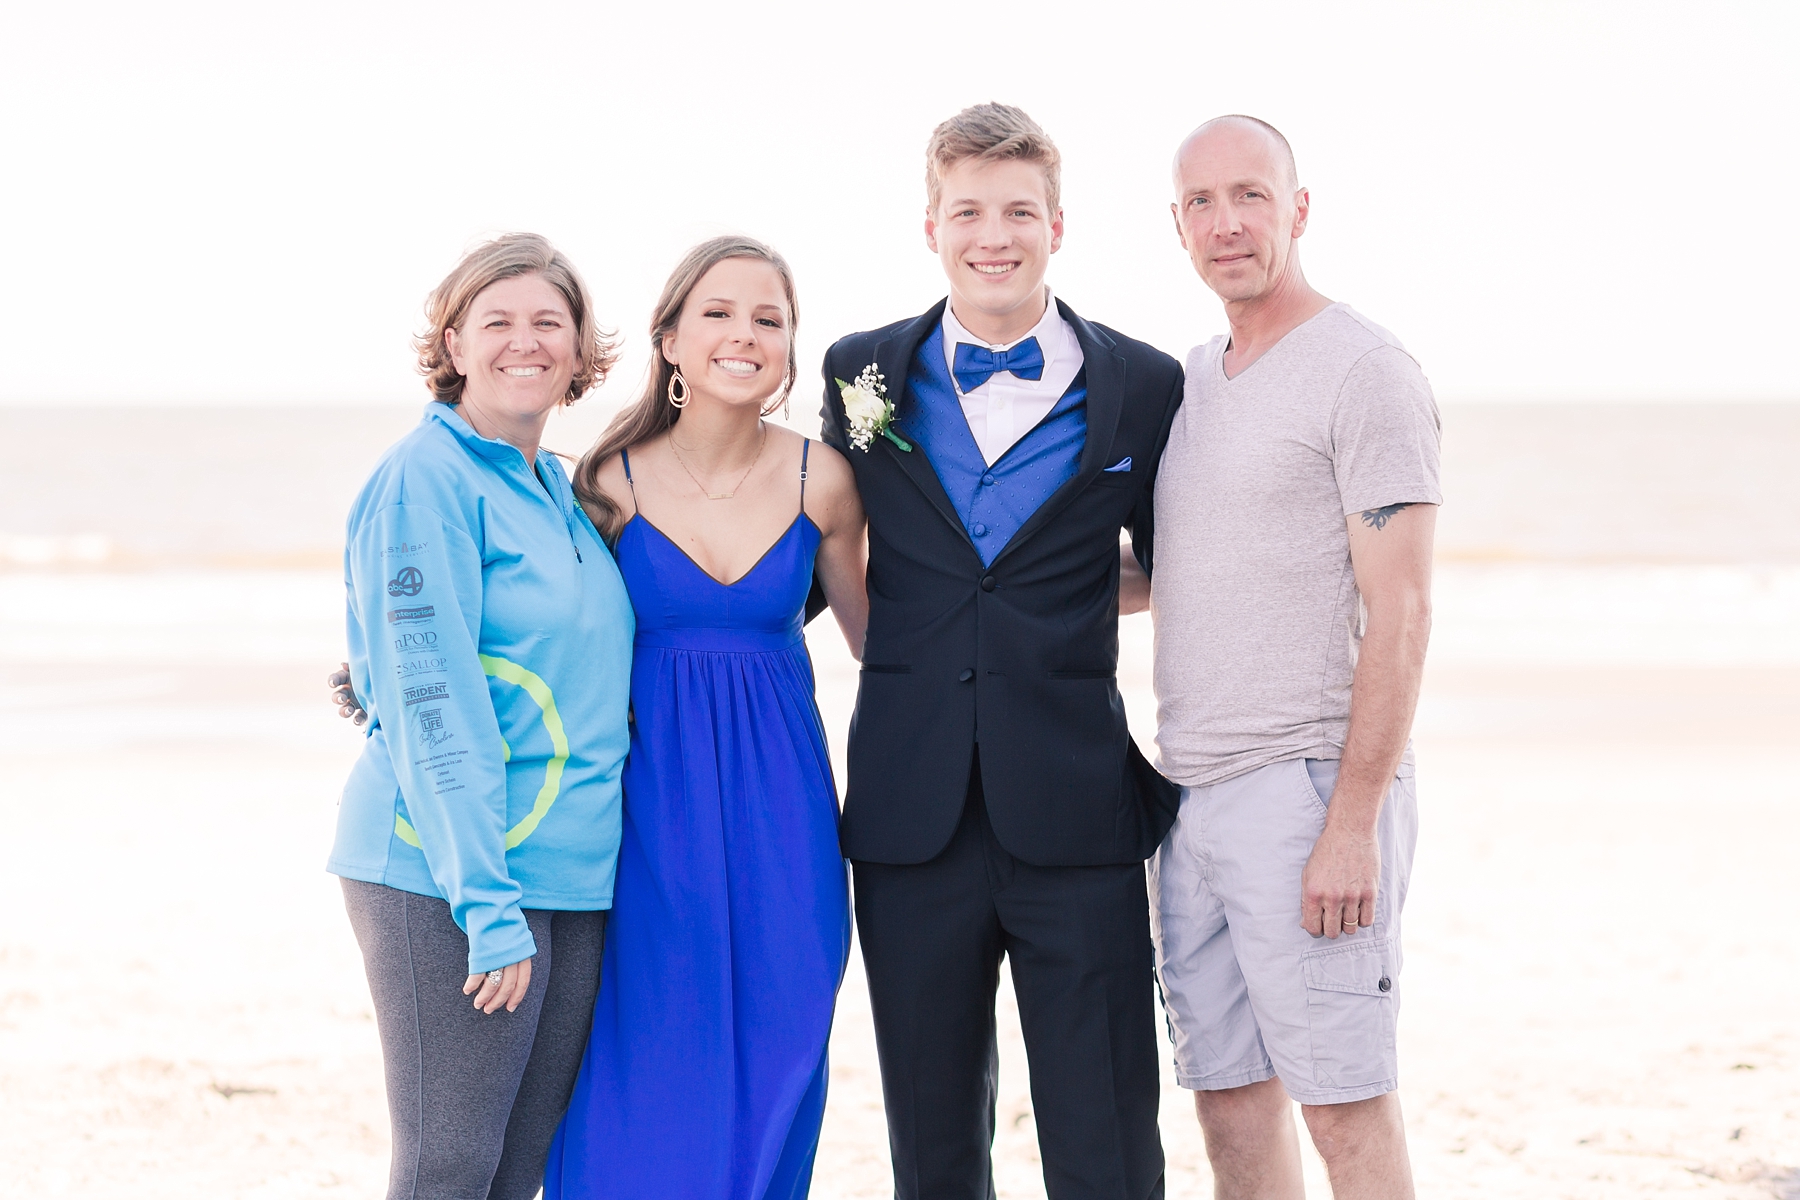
column 677, row 382
column 782, row 403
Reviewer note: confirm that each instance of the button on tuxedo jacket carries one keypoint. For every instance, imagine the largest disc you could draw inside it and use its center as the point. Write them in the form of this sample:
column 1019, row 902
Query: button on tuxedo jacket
column 1020, row 656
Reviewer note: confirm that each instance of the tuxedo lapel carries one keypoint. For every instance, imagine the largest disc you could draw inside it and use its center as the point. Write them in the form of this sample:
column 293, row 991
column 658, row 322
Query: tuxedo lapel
column 894, row 357
column 1105, row 398
column 1106, row 393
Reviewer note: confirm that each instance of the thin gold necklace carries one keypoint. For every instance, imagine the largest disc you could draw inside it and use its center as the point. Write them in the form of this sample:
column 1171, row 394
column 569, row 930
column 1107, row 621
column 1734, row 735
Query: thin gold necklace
column 740, row 483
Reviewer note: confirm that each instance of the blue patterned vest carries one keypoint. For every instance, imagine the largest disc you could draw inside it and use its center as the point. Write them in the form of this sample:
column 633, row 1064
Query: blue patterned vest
column 993, row 501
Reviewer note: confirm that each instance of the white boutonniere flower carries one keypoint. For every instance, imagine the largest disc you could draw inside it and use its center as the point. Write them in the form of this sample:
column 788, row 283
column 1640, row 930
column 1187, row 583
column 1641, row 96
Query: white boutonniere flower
column 868, row 409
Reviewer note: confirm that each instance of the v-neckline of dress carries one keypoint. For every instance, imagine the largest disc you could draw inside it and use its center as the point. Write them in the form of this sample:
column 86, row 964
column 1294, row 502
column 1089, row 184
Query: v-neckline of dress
column 773, row 546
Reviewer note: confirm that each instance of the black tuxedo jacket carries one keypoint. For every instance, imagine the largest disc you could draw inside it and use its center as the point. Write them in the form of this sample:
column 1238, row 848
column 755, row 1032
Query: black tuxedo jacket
column 1020, row 656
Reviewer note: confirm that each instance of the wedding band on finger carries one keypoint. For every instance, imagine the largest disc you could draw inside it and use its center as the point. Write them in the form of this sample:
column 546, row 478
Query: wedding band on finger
column 495, row 976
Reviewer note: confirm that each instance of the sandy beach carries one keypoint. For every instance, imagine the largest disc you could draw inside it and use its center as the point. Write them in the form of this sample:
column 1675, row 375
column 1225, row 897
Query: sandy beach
column 1599, row 996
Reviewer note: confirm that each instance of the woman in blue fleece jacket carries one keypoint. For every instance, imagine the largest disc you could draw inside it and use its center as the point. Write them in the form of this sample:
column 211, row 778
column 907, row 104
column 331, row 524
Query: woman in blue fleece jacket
column 490, row 639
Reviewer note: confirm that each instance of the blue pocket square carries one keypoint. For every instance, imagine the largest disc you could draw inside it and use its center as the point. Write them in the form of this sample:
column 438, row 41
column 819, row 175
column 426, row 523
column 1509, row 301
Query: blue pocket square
column 1124, row 464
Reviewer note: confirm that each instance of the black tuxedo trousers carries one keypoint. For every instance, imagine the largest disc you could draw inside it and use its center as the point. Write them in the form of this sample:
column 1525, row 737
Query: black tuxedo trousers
column 1078, row 941
column 996, row 805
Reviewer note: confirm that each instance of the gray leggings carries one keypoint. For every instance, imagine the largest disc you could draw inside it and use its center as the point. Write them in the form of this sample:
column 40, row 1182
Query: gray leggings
column 474, row 1098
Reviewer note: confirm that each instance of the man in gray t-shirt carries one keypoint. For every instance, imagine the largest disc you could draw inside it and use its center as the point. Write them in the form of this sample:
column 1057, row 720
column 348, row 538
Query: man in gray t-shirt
column 1295, row 508
column 1257, row 610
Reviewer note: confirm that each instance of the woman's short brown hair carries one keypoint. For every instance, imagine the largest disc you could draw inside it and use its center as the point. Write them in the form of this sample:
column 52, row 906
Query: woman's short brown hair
column 990, row 132
column 506, row 257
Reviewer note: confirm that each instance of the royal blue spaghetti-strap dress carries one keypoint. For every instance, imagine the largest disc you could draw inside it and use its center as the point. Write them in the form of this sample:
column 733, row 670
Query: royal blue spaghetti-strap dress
column 705, row 1072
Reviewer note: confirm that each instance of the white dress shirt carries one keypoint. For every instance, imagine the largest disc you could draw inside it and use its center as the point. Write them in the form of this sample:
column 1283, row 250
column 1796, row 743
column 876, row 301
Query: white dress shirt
column 1005, row 408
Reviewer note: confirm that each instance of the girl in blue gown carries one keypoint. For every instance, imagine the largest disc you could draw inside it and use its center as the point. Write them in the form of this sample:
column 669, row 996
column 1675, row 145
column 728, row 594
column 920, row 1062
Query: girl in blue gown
column 705, row 1073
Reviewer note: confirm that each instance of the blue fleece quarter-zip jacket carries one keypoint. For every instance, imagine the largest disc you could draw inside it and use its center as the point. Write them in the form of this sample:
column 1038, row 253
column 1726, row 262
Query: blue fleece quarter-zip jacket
column 490, row 639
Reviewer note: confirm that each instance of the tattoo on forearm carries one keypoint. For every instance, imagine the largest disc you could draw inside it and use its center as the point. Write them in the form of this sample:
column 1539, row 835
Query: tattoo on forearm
column 1377, row 518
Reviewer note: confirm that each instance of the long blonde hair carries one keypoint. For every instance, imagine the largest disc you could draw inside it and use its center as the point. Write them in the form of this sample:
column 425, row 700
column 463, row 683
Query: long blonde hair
column 507, row 256
column 651, row 413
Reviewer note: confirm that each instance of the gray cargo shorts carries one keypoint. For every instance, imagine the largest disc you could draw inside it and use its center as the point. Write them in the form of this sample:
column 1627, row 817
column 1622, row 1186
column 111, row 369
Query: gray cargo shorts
column 1249, row 994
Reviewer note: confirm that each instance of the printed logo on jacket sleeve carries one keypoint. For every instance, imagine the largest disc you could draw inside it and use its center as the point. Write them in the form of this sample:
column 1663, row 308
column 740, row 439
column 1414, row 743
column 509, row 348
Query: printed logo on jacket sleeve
column 409, row 582
column 425, row 693
column 431, row 728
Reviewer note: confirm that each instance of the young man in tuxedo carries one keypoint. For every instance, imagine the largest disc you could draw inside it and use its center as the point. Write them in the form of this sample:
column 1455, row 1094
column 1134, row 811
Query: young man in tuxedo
column 996, row 804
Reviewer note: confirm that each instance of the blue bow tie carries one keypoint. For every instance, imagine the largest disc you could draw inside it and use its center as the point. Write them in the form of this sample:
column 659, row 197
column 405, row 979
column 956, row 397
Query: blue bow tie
column 975, row 363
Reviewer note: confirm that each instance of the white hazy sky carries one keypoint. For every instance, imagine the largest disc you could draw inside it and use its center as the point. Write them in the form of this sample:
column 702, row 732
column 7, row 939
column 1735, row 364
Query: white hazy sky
column 243, row 203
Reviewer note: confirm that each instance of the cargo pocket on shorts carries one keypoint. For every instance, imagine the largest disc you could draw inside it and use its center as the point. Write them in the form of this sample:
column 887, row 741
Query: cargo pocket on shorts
column 1351, row 1003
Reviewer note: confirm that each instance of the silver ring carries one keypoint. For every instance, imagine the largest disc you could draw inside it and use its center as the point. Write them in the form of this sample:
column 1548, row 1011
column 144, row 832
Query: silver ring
column 496, row 976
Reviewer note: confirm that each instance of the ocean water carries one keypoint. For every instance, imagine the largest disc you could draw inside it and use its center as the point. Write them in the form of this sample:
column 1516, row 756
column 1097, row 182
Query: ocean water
column 1580, row 484
column 175, row 573
column 1582, row 535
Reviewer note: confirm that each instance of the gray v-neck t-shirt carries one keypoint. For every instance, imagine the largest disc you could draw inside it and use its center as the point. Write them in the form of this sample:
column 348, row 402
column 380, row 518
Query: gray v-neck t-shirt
column 1258, row 620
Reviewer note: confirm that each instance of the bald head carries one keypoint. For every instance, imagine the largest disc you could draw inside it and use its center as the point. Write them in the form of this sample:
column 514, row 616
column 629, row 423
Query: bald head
column 1234, row 130
column 1239, row 208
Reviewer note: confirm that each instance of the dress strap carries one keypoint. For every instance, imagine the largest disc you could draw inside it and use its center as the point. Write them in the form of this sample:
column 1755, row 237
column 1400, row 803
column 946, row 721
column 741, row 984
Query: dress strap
column 625, row 461
column 805, row 446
